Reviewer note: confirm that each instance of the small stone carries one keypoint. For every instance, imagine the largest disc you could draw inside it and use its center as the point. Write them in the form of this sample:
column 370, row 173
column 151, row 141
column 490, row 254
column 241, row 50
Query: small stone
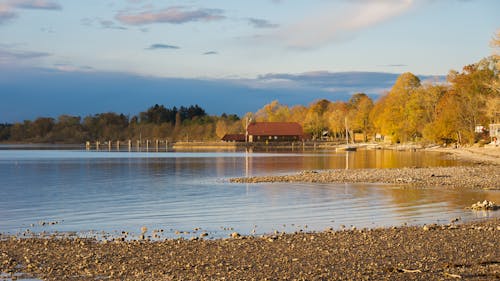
column 426, row 228
column 144, row 229
column 235, row 235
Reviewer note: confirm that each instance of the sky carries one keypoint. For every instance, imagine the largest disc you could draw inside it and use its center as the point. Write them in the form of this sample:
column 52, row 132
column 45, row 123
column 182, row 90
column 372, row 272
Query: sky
column 86, row 57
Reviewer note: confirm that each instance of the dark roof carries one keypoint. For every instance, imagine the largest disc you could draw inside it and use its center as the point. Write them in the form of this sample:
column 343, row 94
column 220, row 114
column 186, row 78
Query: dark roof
column 275, row 129
column 234, row 137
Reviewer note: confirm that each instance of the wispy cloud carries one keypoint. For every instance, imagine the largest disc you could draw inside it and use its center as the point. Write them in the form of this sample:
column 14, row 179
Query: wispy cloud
column 102, row 23
column 9, row 9
column 392, row 65
column 210, row 53
column 260, row 23
column 173, row 15
column 162, row 46
column 10, row 56
column 334, row 23
column 373, row 83
column 109, row 24
column 6, row 13
column 67, row 67
column 35, row 4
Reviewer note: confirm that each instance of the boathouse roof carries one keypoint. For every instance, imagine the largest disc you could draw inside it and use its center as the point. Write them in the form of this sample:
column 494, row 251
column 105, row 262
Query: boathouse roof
column 275, row 129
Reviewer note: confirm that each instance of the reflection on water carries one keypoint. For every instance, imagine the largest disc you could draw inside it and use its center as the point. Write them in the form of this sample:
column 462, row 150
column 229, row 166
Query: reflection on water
column 180, row 191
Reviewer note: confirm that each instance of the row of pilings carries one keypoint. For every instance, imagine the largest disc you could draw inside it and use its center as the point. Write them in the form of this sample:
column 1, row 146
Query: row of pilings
column 156, row 145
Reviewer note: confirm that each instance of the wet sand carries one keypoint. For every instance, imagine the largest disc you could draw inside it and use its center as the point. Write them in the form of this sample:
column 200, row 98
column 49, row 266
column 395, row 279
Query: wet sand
column 469, row 251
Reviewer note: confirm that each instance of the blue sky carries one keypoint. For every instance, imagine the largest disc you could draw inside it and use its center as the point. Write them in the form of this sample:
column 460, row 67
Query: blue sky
column 256, row 50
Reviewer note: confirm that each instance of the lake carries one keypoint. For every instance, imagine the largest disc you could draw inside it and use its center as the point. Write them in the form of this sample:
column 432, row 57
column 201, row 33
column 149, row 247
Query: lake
column 93, row 192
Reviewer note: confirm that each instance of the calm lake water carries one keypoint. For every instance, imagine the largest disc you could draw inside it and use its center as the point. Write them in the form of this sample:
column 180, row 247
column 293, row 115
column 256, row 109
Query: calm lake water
column 120, row 191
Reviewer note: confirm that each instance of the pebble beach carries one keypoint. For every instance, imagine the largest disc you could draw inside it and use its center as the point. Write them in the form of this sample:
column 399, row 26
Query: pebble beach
column 432, row 252
column 469, row 177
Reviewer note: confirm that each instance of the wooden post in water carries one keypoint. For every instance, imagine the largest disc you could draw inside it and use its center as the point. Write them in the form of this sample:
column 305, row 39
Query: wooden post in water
column 157, row 142
column 138, row 145
column 117, row 145
column 147, row 145
column 97, row 145
column 87, row 145
column 109, row 145
column 129, row 145
column 166, row 145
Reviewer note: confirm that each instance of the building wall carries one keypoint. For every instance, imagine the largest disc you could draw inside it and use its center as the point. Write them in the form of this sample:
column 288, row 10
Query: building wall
column 495, row 130
column 252, row 138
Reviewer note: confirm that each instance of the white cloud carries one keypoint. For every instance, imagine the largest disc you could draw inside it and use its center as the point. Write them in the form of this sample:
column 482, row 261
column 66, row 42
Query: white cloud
column 8, row 9
column 6, row 13
column 332, row 24
column 35, row 4
column 173, row 15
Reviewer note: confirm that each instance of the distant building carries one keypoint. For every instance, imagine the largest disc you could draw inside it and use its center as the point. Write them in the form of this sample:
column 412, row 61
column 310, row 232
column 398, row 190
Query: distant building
column 234, row 138
column 274, row 131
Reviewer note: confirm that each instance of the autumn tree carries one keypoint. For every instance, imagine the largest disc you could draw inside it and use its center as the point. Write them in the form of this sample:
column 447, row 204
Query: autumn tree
column 495, row 43
column 298, row 114
column 42, row 127
column 391, row 118
column 316, row 119
column 273, row 112
column 337, row 112
column 465, row 105
column 359, row 107
column 421, row 109
column 493, row 106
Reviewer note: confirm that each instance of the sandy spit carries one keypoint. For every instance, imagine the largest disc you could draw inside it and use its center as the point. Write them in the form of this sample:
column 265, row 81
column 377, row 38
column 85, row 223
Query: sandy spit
column 470, row 177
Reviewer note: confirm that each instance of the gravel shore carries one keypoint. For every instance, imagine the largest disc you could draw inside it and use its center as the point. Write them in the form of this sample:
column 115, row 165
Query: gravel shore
column 461, row 177
column 483, row 173
column 470, row 251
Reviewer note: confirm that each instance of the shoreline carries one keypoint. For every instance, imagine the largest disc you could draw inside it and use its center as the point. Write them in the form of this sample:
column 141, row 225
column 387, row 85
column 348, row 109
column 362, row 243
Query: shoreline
column 464, row 250
column 478, row 155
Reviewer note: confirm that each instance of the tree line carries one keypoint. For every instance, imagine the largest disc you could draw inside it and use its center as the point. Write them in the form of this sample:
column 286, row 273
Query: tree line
column 158, row 121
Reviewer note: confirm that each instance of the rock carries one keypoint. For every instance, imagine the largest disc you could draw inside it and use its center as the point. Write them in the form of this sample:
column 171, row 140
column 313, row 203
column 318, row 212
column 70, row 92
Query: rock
column 485, row 205
column 144, row 229
column 235, row 235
